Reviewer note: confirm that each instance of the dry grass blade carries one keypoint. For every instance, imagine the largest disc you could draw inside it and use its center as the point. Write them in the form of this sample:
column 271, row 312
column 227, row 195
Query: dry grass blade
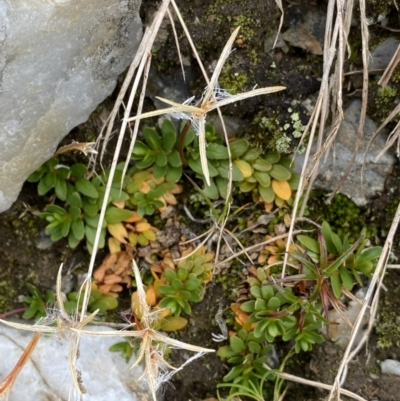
column 7, row 383
column 83, row 147
column 390, row 68
column 323, row 386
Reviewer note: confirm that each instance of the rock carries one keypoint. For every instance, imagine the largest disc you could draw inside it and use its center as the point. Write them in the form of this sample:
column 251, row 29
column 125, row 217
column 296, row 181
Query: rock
column 59, row 59
column 106, row 376
column 382, row 54
column 332, row 169
column 339, row 330
column 390, row 367
column 307, row 27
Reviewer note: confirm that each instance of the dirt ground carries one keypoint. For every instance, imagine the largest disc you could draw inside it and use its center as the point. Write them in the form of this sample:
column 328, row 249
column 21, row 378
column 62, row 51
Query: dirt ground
column 24, row 257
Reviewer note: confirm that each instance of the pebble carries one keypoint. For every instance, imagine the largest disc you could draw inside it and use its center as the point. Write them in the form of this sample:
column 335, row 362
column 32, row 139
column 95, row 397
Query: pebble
column 390, row 367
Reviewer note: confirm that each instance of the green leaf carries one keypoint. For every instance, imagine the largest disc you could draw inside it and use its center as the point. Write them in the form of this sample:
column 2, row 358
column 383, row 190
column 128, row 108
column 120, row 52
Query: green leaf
column 346, row 277
column 165, row 290
column 46, row 183
column 272, row 157
column 117, row 195
column 56, row 209
column 273, row 304
column 78, row 171
column 78, row 229
column 170, row 275
column 168, row 135
column 159, row 171
column 152, row 138
column 248, row 306
column 222, row 186
column 73, row 242
column 238, row 148
column 74, row 199
column 237, row 344
column 250, row 156
column 336, row 284
column 262, row 165
column 195, row 165
column 173, row 323
column 104, row 303
column 61, row 189
column 225, row 352
column 369, row 254
column 161, row 159
column 174, row 174
column 85, row 187
column 280, row 173
column 267, row 194
column 327, row 233
column 139, row 150
column 30, row 312
column 211, row 191
column 90, row 209
column 147, row 161
column 338, row 243
column 309, row 243
column 216, row 152
column 115, row 215
column 174, row 159
column 263, row 178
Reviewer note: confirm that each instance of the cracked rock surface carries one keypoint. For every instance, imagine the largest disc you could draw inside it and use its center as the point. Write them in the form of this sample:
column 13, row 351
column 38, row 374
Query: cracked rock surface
column 59, row 59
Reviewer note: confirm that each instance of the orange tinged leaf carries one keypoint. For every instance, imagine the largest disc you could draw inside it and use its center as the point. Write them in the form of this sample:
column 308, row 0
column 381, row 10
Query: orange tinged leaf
column 118, row 231
column 268, row 206
column 140, row 227
column 114, row 246
column 282, row 189
column 120, row 204
column 134, row 218
column 151, row 298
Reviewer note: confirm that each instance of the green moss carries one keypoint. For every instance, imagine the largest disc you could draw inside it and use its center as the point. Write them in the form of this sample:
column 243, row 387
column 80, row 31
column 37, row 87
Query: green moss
column 233, row 82
column 342, row 214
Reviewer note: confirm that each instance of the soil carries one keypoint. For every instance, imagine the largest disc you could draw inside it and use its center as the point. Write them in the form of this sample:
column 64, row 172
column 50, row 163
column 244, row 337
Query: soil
column 23, row 259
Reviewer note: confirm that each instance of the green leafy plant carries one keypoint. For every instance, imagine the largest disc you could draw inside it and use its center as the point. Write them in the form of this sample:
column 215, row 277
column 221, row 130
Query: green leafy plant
column 125, row 348
column 37, row 303
column 97, row 300
column 248, row 354
column 159, row 151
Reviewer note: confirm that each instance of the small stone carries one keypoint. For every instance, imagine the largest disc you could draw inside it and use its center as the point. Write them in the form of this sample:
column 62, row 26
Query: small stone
column 382, row 54
column 390, row 367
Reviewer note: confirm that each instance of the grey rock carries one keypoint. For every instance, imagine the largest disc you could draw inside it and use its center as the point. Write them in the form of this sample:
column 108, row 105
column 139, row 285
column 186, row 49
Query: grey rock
column 106, row 376
column 390, row 367
column 382, row 54
column 306, row 31
column 339, row 330
column 59, row 59
column 357, row 188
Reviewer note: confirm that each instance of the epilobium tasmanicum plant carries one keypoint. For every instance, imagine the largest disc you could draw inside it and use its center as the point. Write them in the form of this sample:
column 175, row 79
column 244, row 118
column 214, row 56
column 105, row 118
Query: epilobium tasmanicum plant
column 293, row 308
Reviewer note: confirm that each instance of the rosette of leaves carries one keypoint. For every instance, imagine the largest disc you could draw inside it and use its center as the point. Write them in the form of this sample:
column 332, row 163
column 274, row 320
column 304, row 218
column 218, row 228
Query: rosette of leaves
column 268, row 177
column 159, row 151
column 267, row 308
column 148, row 194
column 37, row 303
column 247, row 354
column 333, row 263
column 218, row 162
column 51, row 175
column 184, row 284
column 97, row 300
column 78, row 218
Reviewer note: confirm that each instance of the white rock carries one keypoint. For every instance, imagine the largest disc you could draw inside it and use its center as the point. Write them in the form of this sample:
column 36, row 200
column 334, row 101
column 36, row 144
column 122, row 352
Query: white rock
column 59, row 59
column 333, row 167
column 106, row 376
column 390, row 367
